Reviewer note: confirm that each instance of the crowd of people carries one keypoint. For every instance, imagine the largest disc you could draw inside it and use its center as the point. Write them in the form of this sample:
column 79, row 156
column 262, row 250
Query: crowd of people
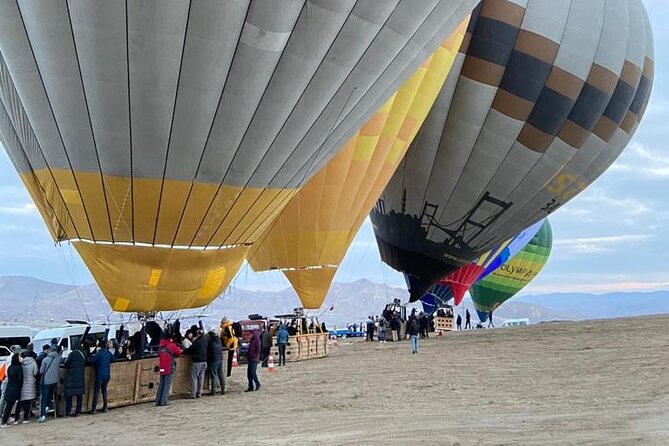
column 417, row 325
column 32, row 377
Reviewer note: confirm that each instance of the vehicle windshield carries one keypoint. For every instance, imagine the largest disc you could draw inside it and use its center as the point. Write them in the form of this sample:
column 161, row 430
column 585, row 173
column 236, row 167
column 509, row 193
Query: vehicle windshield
column 39, row 343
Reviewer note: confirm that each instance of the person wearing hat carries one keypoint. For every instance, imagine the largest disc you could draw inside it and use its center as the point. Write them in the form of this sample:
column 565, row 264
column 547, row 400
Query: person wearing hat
column 229, row 341
column 215, row 361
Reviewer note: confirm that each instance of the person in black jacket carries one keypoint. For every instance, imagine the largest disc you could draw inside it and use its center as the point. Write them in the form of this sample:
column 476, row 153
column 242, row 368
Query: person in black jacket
column 266, row 346
column 215, row 362
column 414, row 330
column 14, row 384
column 75, row 384
column 198, row 354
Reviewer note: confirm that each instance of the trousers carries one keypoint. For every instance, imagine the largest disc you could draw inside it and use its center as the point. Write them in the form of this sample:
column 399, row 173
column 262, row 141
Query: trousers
column 197, row 378
column 163, row 394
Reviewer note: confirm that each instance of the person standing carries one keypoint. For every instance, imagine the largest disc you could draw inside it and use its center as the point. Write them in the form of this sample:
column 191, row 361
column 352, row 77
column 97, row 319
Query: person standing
column 168, row 351
column 414, row 330
column 490, row 323
column 50, row 371
column 30, row 351
column 395, row 326
column 75, row 383
column 198, row 354
column 266, row 344
column 458, row 322
column 12, row 392
column 188, row 339
column 229, row 341
column 282, row 338
column 370, row 329
column 101, row 359
column 253, row 358
column 215, row 362
column 28, row 389
column 383, row 325
column 468, row 320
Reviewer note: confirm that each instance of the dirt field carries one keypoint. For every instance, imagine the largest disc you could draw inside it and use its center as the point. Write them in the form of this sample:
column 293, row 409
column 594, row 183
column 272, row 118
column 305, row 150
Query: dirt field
column 597, row 382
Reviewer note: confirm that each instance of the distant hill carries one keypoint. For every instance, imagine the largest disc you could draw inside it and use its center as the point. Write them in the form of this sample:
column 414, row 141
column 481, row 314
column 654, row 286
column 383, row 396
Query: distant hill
column 39, row 303
column 610, row 305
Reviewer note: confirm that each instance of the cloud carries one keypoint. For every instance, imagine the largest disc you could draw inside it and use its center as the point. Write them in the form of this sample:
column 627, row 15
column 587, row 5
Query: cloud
column 590, row 245
column 641, row 160
column 23, row 209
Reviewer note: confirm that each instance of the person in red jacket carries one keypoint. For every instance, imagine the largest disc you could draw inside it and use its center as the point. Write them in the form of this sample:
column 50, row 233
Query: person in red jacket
column 167, row 354
column 253, row 358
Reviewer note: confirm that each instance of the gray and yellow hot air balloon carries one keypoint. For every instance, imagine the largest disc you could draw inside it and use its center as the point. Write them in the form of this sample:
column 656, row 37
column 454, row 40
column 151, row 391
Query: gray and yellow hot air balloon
column 162, row 137
column 545, row 96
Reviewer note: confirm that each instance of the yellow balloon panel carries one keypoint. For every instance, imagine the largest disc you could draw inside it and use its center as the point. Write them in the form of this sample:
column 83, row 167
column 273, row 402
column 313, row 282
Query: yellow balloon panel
column 145, row 278
column 320, row 221
column 311, row 285
column 64, row 199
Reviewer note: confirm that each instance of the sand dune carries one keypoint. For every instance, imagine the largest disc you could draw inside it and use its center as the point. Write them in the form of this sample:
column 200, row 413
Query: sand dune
column 596, row 382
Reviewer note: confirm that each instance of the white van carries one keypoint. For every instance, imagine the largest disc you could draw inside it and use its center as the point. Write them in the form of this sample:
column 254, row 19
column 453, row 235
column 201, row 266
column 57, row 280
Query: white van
column 516, row 322
column 67, row 336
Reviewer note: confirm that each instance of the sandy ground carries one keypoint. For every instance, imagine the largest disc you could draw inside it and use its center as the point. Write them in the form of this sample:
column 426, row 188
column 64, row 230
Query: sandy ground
column 597, row 382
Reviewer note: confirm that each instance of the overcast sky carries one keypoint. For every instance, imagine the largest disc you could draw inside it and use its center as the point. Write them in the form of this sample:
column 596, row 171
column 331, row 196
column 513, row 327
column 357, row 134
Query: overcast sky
column 611, row 237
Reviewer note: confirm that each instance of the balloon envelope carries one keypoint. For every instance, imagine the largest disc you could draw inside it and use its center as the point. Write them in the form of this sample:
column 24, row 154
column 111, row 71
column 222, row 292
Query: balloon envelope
column 312, row 234
column 456, row 284
column 163, row 137
column 543, row 98
column 504, row 283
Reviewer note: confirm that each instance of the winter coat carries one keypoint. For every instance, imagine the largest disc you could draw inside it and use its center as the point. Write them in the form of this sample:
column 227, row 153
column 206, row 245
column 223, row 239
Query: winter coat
column 167, row 352
column 50, row 368
column 414, row 328
column 14, row 383
column 253, row 354
column 283, row 336
column 75, row 383
column 395, row 324
column 214, row 349
column 198, row 351
column 102, row 360
column 382, row 325
column 30, row 370
column 228, row 337
column 266, row 339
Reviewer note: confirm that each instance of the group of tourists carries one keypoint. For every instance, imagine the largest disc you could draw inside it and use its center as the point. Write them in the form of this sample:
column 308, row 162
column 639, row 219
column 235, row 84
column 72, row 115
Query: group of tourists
column 207, row 352
column 32, row 376
column 418, row 325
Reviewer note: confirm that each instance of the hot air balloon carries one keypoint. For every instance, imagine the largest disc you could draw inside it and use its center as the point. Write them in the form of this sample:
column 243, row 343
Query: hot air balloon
column 162, row 137
column 505, row 282
column 545, row 96
column 455, row 285
column 309, row 239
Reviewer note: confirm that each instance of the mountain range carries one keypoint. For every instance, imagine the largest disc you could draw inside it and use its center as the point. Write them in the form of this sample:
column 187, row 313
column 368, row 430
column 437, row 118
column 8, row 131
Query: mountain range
column 38, row 303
